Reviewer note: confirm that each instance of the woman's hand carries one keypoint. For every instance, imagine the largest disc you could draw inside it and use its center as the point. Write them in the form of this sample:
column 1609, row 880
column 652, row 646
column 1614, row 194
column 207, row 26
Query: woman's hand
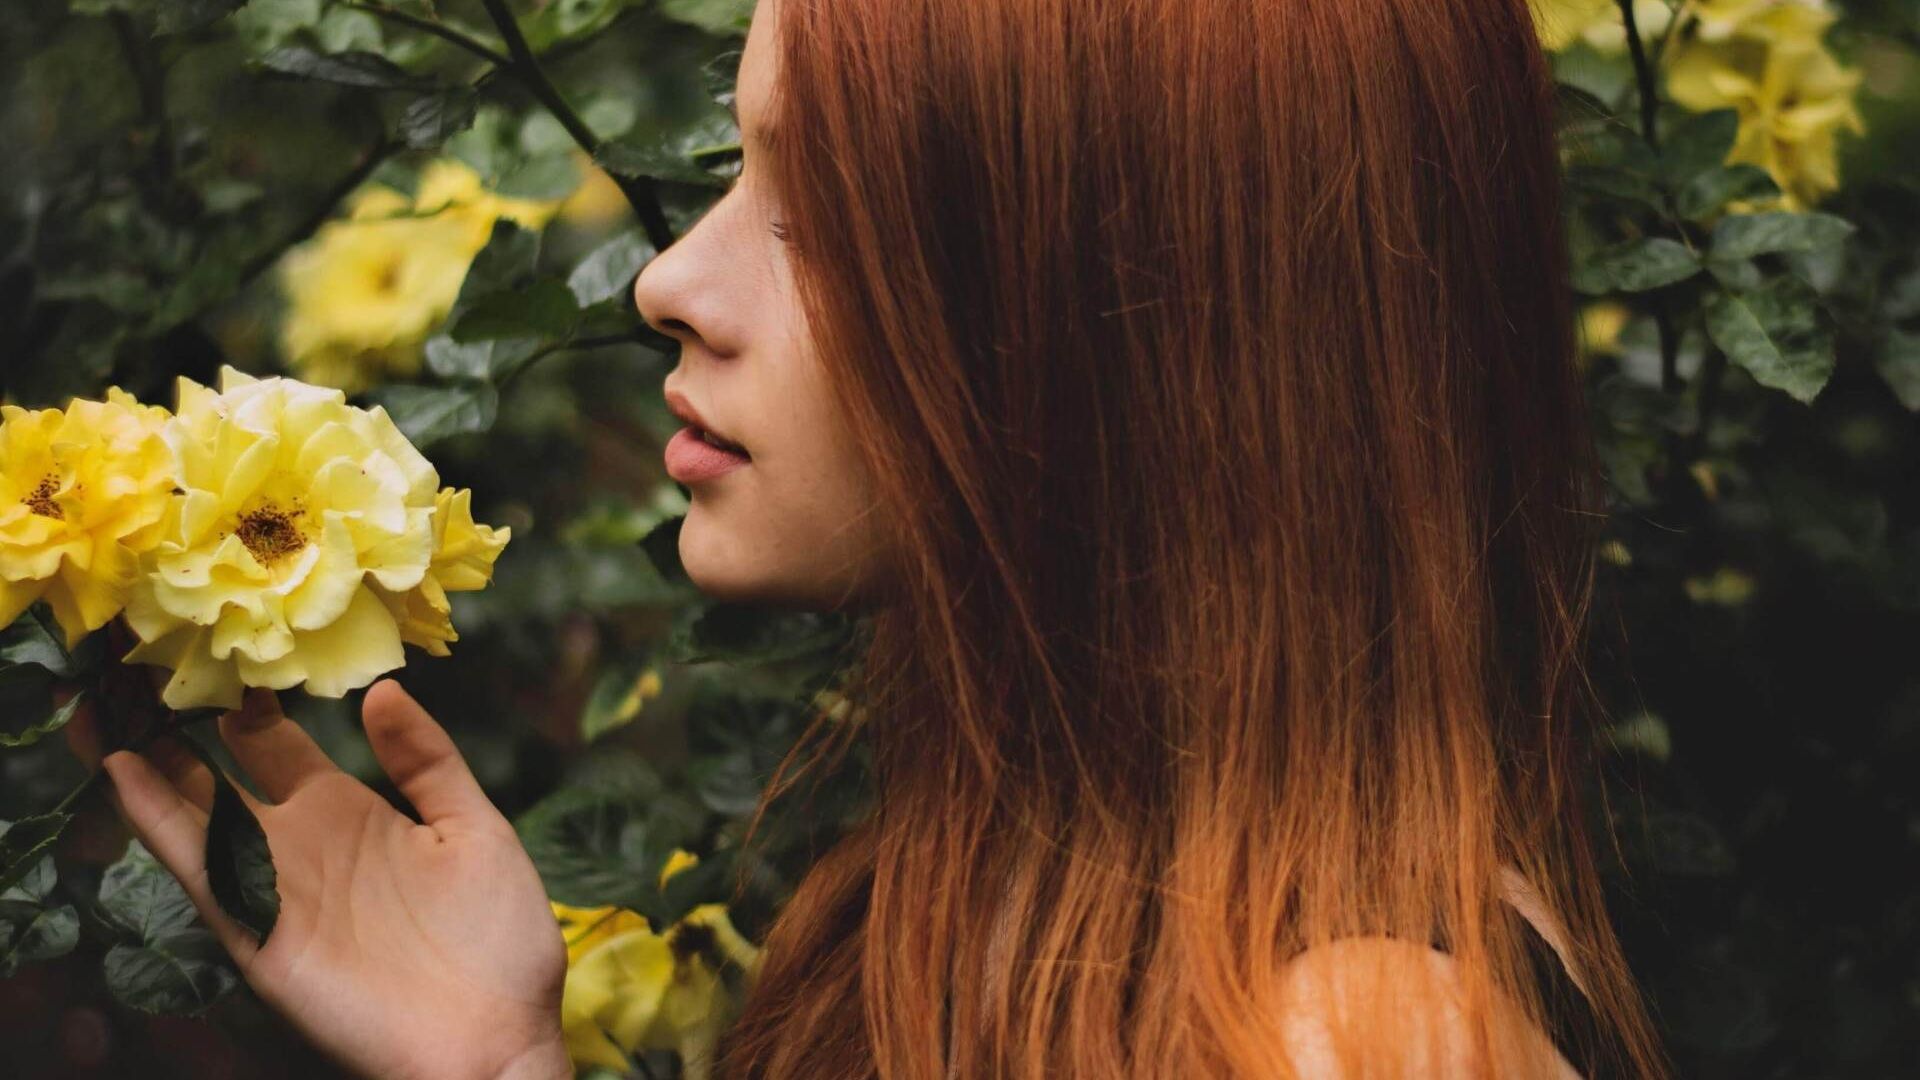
column 402, row 950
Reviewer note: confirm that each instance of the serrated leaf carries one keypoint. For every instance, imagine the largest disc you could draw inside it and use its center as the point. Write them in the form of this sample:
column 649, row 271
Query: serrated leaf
column 483, row 360
column 547, row 176
column 1635, row 265
column 1742, row 236
column 34, row 638
column 30, row 932
column 727, row 17
column 53, row 722
column 627, row 157
column 609, row 270
column 755, row 633
column 428, row 414
column 1898, row 361
column 171, row 962
column 618, row 696
column 432, row 119
column 544, row 309
column 25, row 843
column 366, row 70
column 601, row 845
column 1775, row 335
column 1705, row 194
column 508, row 258
column 1698, row 143
column 662, row 546
column 239, row 864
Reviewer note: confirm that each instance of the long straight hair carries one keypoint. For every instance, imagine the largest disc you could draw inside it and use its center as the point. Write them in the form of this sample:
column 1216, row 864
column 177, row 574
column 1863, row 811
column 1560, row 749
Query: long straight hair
column 1214, row 363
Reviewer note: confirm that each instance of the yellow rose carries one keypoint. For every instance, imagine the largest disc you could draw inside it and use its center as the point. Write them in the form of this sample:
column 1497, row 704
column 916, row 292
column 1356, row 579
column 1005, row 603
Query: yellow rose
column 83, row 492
column 1560, row 23
column 450, row 186
column 1792, row 95
column 629, row 989
column 294, row 505
column 463, row 557
column 365, row 292
column 598, row 202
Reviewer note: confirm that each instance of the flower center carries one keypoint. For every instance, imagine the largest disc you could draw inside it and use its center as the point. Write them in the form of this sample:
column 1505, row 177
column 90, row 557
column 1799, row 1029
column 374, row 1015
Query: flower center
column 40, row 499
column 271, row 534
column 690, row 940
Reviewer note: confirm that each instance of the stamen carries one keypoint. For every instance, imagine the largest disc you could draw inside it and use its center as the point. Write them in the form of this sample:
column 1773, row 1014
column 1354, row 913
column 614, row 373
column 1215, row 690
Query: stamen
column 271, row 534
column 40, row 499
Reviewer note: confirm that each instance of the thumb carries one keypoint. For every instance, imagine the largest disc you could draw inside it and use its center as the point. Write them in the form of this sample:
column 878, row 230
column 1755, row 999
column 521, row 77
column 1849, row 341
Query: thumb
column 419, row 757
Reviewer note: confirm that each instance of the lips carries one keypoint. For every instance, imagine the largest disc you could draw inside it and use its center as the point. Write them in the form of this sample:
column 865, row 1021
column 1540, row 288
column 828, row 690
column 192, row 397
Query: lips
column 683, row 409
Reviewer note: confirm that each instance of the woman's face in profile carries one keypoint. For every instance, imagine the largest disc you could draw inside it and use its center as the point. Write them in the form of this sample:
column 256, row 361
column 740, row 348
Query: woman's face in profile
column 783, row 522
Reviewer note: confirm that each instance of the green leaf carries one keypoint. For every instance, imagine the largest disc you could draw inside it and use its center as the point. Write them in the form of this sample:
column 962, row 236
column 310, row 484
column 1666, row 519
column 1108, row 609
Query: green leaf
column 179, row 16
column 544, row 309
column 662, row 545
column 1734, row 274
column 432, row 119
column 427, row 414
column 655, row 159
column 724, row 17
column 755, row 633
column 239, row 865
column 609, row 270
column 1697, row 144
column 1704, row 195
column 618, row 696
column 53, row 722
column 1635, row 266
column 34, row 638
column 547, row 176
column 25, row 843
column 362, row 69
column 30, row 929
column 171, row 962
column 1775, row 334
column 1898, row 361
column 596, row 845
column 508, row 258
column 483, row 360
column 1741, row 236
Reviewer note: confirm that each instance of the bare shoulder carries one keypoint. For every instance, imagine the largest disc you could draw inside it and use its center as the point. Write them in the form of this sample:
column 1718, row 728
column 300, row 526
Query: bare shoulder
column 1382, row 991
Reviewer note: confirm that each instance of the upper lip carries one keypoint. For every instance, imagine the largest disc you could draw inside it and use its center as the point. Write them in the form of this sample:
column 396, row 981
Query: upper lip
column 679, row 406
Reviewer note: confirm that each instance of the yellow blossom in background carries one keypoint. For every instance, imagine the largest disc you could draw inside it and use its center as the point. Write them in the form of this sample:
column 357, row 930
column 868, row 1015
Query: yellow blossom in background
column 294, row 505
column 83, row 492
column 1793, row 96
column 1560, row 23
column 630, row 990
column 365, row 293
column 680, row 860
column 463, row 557
column 1600, row 324
column 598, row 202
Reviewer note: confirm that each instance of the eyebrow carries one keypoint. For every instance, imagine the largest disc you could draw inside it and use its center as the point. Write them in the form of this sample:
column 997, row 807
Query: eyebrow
column 764, row 133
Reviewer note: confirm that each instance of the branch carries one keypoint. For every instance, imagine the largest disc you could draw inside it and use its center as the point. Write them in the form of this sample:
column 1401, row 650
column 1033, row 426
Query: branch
column 1649, row 96
column 639, row 190
column 376, row 154
column 436, row 28
column 601, row 341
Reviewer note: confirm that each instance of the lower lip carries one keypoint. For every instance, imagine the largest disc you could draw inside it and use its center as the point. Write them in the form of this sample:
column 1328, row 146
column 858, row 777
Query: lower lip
column 691, row 460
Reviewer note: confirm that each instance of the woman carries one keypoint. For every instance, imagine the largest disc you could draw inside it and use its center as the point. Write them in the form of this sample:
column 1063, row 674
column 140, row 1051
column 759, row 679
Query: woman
column 1184, row 389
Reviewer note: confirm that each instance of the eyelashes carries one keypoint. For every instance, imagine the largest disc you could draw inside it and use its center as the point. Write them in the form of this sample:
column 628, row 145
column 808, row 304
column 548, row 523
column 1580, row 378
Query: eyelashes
column 779, row 229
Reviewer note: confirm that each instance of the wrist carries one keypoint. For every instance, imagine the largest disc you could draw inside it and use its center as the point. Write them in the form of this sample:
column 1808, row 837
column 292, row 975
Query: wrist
column 542, row 1061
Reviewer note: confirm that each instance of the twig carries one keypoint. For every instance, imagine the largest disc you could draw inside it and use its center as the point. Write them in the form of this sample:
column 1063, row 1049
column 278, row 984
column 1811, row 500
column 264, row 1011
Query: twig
column 436, row 28
column 371, row 160
column 1649, row 99
column 601, row 341
column 639, row 190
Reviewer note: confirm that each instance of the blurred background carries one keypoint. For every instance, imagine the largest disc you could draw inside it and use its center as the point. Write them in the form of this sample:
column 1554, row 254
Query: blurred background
column 439, row 207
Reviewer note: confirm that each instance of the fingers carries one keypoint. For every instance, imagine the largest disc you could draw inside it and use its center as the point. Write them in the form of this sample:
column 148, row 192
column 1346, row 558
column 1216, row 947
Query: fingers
column 420, row 758
column 275, row 752
column 171, row 828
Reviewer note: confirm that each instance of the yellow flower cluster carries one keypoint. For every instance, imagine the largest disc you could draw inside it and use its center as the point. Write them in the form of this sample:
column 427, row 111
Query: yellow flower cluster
column 1769, row 61
column 630, row 989
column 365, row 293
column 83, row 492
column 1765, row 58
column 268, row 534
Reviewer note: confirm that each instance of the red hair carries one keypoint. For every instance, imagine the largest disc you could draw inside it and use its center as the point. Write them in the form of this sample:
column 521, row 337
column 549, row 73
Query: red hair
column 1214, row 364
